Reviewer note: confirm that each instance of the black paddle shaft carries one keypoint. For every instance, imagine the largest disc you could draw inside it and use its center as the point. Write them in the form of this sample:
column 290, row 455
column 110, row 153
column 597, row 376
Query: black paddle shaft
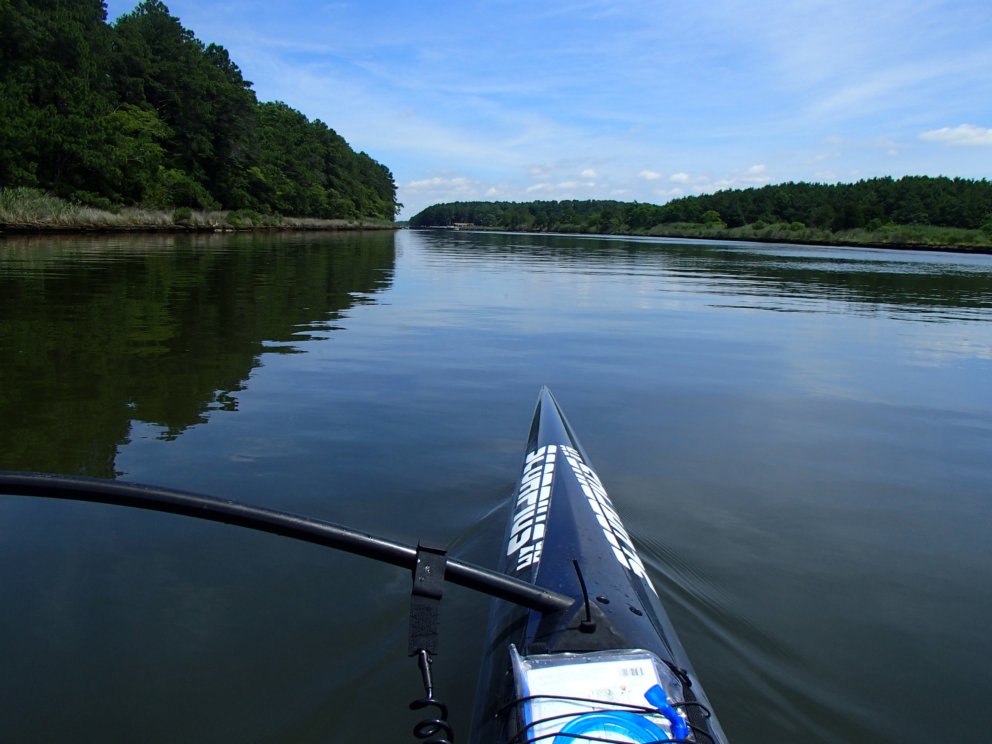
column 297, row 527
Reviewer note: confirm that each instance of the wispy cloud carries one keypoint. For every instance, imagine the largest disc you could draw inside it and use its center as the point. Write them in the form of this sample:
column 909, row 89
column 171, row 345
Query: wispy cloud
column 964, row 134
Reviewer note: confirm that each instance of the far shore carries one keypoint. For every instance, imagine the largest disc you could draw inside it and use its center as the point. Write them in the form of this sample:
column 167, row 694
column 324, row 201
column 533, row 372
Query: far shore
column 31, row 212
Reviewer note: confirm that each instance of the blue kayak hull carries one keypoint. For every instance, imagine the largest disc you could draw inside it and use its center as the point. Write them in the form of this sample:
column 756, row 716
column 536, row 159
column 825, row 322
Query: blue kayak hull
column 564, row 534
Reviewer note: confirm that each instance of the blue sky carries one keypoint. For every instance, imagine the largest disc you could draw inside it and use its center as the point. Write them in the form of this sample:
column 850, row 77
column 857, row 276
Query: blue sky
column 623, row 99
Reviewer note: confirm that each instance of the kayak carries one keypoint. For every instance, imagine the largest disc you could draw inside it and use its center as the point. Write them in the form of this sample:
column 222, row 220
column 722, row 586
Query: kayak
column 609, row 667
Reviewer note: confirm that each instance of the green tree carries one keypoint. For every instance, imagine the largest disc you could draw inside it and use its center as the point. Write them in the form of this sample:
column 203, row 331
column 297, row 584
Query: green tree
column 197, row 91
column 133, row 172
column 712, row 217
column 53, row 92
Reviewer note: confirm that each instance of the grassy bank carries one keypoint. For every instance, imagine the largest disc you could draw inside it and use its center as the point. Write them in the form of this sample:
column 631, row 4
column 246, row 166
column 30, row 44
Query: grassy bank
column 928, row 237
column 31, row 210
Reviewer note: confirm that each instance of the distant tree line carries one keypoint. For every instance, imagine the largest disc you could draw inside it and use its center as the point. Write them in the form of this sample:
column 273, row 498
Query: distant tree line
column 141, row 112
column 869, row 204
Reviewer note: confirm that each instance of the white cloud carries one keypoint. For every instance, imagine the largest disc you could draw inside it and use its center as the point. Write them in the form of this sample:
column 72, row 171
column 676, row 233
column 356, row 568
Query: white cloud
column 754, row 175
column 588, row 173
column 459, row 182
column 423, row 192
column 679, row 178
column 650, row 175
column 964, row 134
column 424, row 183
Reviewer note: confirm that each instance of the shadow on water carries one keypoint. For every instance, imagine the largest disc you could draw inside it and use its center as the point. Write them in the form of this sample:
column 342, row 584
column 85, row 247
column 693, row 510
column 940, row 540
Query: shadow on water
column 98, row 333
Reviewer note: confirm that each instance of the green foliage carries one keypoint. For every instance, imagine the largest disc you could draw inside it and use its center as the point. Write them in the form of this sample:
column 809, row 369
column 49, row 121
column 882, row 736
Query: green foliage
column 131, row 172
column 712, row 217
column 244, row 218
column 91, row 199
column 144, row 113
column 182, row 216
column 176, row 187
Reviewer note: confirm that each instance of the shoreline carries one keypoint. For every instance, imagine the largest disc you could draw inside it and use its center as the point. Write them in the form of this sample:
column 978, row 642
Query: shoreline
column 213, row 225
column 760, row 237
column 22, row 230
column 26, row 211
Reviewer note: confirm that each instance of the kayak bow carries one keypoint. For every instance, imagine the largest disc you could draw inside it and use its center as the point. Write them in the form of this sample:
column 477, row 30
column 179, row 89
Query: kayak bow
column 608, row 668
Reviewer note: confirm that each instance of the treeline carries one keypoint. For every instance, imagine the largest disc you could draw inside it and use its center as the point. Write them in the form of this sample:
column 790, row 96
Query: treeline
column 141, row 112
column 869, row 204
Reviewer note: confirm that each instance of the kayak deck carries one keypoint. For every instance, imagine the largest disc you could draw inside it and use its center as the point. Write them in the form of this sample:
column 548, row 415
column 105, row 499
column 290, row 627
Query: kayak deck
column 582, row 672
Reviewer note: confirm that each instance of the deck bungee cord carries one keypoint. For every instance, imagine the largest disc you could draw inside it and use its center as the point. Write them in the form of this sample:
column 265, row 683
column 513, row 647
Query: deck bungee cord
column 578, row 646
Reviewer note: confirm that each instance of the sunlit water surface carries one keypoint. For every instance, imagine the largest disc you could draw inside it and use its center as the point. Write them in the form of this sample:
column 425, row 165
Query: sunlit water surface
column 798, row 439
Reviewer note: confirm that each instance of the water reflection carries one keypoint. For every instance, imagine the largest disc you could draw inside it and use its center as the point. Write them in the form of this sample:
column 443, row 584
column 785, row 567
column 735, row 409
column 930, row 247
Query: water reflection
column 98, row 333
column 917, row 286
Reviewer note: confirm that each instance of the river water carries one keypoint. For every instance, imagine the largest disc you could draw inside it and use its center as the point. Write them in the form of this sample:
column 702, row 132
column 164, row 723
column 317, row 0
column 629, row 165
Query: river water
column 798, row 439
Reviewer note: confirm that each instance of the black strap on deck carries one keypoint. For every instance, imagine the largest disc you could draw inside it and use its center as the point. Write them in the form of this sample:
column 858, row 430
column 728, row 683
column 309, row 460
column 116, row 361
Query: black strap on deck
column 425, row 599
column 425, row 616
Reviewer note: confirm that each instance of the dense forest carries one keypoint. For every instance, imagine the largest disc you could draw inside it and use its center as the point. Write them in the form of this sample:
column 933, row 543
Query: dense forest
column 799, row 208
column 141, row 112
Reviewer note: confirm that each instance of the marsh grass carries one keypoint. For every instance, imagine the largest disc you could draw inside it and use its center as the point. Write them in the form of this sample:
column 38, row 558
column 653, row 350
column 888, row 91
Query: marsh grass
column 30, row 209
column 896, row 236
column 24, row 206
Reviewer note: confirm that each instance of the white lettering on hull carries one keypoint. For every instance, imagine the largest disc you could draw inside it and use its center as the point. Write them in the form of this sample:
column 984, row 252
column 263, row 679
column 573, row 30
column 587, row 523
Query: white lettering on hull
column 613, row 529
column 533, row 499
column 531, row 509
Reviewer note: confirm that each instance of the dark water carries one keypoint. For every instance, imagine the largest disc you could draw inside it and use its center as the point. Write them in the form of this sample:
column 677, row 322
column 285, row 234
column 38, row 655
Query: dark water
column 798, row 438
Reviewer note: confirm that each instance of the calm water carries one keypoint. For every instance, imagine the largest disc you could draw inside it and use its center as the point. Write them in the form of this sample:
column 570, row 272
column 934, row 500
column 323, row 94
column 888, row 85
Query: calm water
column 798, row 438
